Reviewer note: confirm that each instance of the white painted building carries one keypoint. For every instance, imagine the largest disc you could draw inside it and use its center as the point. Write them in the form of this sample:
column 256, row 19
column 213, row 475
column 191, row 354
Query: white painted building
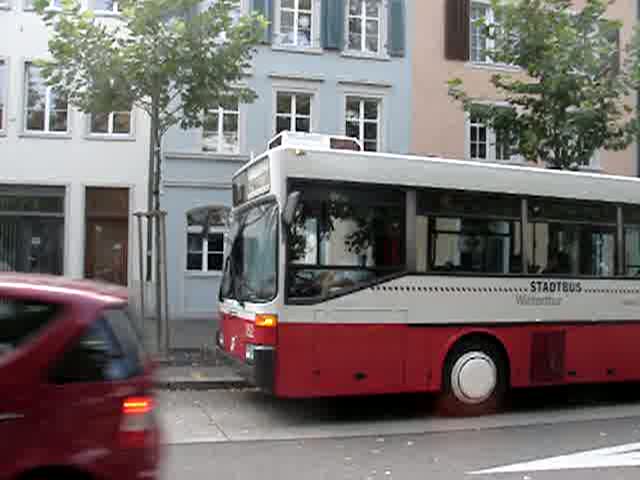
column 69, row 182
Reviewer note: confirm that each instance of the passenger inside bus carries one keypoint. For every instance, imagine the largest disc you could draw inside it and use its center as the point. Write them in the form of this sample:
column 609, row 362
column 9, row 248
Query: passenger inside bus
column 559, row 263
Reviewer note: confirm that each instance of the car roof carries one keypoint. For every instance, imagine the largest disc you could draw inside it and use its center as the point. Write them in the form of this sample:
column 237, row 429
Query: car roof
column 63, row 288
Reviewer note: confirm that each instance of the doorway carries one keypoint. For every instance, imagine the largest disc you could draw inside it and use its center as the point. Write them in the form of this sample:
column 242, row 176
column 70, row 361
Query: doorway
column 107, row 234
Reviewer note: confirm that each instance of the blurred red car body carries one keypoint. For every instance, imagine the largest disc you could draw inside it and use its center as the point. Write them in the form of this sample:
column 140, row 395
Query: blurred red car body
column 76, row 396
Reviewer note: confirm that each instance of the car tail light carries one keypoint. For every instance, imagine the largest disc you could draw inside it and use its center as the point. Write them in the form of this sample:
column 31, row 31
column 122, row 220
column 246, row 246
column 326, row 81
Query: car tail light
column 138, row 422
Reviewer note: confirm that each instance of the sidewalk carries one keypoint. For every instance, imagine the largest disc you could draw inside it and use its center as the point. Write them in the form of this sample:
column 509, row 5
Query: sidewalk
column 192, row 362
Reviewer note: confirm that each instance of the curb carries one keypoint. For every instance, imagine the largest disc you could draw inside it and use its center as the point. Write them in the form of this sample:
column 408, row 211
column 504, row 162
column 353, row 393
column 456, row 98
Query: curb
column 194, row 384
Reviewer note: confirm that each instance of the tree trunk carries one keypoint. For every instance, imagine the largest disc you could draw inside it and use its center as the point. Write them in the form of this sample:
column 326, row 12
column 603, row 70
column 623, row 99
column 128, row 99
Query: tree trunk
column 156, row 141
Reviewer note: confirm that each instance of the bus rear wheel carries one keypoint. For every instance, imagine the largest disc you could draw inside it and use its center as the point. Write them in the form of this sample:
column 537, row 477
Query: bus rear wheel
column 475, row 379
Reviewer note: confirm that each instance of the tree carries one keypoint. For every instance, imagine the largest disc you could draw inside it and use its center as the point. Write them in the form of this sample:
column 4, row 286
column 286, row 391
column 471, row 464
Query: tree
column 173, row 59
column 569, row 97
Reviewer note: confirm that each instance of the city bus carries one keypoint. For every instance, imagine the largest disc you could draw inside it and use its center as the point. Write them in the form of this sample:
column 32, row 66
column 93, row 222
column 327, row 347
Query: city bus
column 350, row 272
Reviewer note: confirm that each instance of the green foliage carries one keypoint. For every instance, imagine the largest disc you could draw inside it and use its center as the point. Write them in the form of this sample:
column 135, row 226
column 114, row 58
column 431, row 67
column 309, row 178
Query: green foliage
column 170, row 58
column 568, row 96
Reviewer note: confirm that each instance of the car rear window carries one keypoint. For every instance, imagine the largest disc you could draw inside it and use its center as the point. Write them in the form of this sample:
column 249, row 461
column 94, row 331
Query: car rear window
column 126, row 334
column 22, row 320
column 109, row 350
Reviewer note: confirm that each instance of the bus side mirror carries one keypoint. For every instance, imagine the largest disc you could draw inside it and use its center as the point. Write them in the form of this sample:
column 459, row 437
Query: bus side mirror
column 290, row 208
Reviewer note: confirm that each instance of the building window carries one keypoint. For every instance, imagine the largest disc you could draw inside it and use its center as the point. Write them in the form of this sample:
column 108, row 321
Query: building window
column 479, row 41
column 204, row 252
column 363, row 121
column 363, row 25
column 46, row 110
column 221, row 129
column 114, row 123
column 293, row 112
column 31, row 229
column 484, row 143
column 205, row 238
column 105, row 5
column 296, row 27
column 3, row 93
column 28, row 4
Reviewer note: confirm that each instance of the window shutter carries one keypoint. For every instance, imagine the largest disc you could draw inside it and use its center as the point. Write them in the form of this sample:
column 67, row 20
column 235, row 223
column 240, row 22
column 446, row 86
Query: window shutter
column 396, row 40
column 265, row 7
column 456, row 42
column 333, row 18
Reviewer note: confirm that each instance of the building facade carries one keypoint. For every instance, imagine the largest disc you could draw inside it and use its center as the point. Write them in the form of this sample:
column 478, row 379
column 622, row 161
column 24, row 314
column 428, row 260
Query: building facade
column 69, row 182
column 451, row 46
column 325, row 66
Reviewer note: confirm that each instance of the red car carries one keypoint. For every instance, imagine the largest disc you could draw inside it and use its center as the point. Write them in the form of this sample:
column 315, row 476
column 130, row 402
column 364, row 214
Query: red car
column 75, row 385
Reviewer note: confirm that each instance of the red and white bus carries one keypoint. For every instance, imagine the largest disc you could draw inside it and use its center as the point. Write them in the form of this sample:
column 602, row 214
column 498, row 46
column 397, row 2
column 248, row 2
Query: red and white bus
column 350, row 272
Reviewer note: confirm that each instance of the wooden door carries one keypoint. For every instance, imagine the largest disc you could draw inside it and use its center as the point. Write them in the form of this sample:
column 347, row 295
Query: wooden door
column 107, row 235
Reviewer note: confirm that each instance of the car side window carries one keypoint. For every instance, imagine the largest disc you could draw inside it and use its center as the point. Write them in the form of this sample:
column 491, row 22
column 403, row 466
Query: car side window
column 22, row 320
column 95, row 357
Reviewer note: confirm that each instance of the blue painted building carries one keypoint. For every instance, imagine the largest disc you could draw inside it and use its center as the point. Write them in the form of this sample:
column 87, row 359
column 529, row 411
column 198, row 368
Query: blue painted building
column 326, row 66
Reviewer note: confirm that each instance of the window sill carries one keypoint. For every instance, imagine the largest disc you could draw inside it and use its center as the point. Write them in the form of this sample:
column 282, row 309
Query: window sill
column 107, row 14
column 376, row 57
column 96, row 137
column 46, row 135
column 3, row 133
column 590, row 168
column 46, row 10
column 5, row 6
column 292, row 49
column 493, row 66
column 197, row 274
column 516, row 162
column 215, row 153
column 207, row 156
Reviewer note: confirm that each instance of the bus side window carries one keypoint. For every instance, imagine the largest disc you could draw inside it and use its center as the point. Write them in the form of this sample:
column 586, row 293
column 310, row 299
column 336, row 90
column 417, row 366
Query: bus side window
column 631, row 216
column 570, row 237
column 468, row 232
column 422, row 243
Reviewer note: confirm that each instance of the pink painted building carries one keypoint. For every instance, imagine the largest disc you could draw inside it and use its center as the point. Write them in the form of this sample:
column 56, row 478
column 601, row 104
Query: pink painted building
column 448, row 45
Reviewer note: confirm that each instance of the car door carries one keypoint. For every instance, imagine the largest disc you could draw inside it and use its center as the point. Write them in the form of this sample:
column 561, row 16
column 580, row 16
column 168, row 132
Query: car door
column 84, row 392
column 23, row 322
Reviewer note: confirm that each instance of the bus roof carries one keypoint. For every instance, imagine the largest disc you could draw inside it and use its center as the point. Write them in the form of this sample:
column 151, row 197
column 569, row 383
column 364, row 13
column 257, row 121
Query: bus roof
column 436, row 172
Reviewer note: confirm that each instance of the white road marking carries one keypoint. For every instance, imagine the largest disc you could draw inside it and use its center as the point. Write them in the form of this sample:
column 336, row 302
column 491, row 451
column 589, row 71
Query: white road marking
column 627, row 455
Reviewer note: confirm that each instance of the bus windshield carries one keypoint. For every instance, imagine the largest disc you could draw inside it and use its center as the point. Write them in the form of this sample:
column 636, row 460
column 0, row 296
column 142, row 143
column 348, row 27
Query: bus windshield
column 250, row 268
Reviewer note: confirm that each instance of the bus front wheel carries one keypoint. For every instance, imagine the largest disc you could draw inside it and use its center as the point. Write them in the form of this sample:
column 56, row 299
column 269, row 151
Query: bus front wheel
column 475, row 379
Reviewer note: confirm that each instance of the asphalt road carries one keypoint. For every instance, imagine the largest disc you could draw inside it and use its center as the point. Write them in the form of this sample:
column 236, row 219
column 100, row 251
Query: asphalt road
column 591, row 433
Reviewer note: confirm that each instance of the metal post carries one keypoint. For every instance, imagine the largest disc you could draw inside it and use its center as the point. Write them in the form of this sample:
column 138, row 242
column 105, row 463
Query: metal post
column 154, row 223
column 410, row 231
column 620, row 247
column 524, row 240
column 138, row 216
column 163, row 218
